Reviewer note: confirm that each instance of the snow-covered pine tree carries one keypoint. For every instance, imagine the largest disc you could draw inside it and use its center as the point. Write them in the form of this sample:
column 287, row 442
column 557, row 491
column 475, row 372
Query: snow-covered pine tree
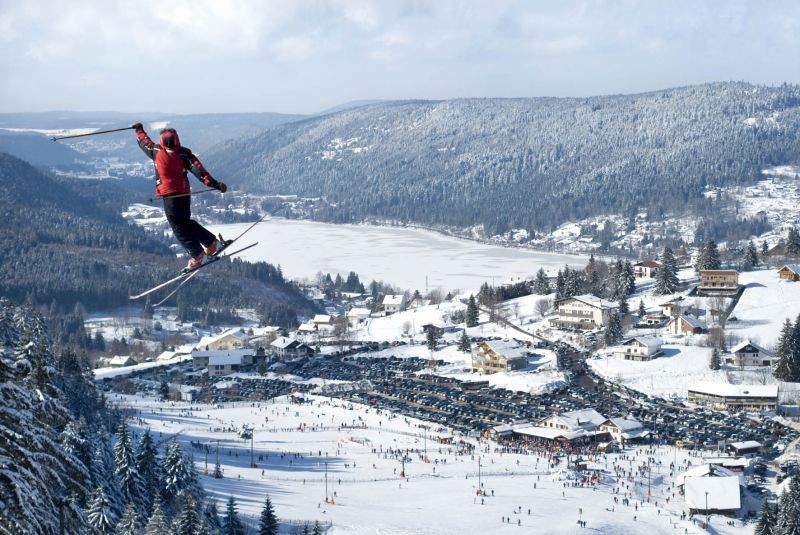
column 715, row 362
column 623, row 305
column 789, row 509
column 541, row 285
column 472, row 312
column 708, row 257
column 104, row 471
column 559, row 285
column 317, row 528
column 211, row 516
column 157, row 524
column 783, row 352
column 430, row 339
column 793, row 242
column 149, row 469
column 642, row 310
column 464, row 344
column 128, row 524
column 750, row 256
column 667, row 274
column 767, row 520
column 100, row 514
column 630, row 278
column 175, row 478
column 268, row 524
column 231, row 524
column 613, row 331
column 186, row 523
column 130, row 484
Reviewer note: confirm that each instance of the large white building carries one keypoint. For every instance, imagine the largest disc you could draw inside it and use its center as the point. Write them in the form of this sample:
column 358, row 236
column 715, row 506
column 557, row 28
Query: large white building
column 494, row 356
column 639, row 348
column 749, row 353
column 724, row 396
column 583, row 312
column 221, row 357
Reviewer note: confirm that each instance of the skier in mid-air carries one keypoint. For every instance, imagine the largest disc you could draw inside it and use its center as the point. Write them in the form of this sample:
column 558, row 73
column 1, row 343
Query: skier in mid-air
column 172, row 161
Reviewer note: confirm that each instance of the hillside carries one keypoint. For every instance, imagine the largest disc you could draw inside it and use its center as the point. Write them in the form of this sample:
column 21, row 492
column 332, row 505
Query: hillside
column 529, row 163
column 71, row 245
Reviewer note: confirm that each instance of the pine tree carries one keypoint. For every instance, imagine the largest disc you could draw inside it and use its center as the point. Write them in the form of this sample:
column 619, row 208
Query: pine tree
column 269, row 522
column 317, row 528
column 541, row 285
column 764, row 249
column 125, row 463
column 750, row 256
column 176, row 475
column 630, row 278
column 715, row 362
column 104, row 472
column 667, row 274
column 708, row 257
column 767, row 520
column 623, row 305
column 464, row 344
column 783, row 369
column 211, row 516
column 128, row 524
column 613, row 331
column 431, row 339
column 560, row 285
column 642, row 310
column 231, row 525
column 99, row 514
column 793, row 242
column 187, row 522
column 157, row 524
column 789, row 509
column 149, row 469
column 306, row 531
column 472, row 312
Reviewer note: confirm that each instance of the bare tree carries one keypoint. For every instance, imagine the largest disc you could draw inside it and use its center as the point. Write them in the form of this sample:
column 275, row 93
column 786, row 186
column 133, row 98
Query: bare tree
column 406, row 328
column 543, row 306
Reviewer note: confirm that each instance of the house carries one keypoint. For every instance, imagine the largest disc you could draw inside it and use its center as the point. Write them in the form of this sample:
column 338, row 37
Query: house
column 672, row 309
column 587, row 419
column 790, row 272
column 437, row 329
column 574, row 426
column 746, row 447
column 202, row 359
column 748, row 353
column 419, row 302
column 188, row 393
column 357, row 315
column 720, row 495
column 394, row 303
column 583, row 312
column 286, row 347
column 230, row 339
column 719, row 279
column 224, row 364
column 494, row 356
column 323, row 320
column 654, row 319
column 724, row 396
column 687, row 324
column 624, row 430
column 307, row 327
column 707, row 469
column 639, row 348
column 121, row 362
column 646, row 269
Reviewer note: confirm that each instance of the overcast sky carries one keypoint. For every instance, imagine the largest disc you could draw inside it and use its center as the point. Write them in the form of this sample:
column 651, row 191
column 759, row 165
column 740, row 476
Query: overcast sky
column 302, row 56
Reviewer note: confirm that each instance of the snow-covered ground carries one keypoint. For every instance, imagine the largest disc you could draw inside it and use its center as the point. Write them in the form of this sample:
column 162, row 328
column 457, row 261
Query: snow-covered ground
column 764, row 306
column 438, row 497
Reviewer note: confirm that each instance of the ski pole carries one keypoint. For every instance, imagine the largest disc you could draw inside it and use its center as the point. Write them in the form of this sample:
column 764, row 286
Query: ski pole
column 93, row 133
column 157, row 197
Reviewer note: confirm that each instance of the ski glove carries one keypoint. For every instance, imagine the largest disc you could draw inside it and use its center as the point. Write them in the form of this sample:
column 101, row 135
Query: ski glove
column 221, row 187
column 137, row 126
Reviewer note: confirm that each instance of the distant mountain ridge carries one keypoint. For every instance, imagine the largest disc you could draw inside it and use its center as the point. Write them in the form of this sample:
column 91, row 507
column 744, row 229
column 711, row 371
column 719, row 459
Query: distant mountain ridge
column 528, row 163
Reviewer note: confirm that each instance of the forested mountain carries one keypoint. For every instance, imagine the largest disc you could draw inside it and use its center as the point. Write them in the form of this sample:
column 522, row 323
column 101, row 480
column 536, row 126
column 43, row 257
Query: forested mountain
column 37, row 148
column 528, row 163
column 65, row 242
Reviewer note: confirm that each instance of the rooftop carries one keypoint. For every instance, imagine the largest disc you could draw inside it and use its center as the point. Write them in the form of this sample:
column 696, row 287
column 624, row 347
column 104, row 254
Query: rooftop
column 714, row 493
column 729, row 390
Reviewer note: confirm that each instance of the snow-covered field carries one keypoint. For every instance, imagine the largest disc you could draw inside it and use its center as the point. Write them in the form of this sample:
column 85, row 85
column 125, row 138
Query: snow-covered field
column 764, row 306
column 293, row 443
column 404, row 257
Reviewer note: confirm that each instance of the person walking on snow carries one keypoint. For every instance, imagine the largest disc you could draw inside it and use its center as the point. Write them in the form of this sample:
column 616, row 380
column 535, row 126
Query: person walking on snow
column 172, row 161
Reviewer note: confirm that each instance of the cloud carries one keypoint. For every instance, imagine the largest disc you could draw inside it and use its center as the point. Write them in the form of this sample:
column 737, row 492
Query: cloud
column 295, row 48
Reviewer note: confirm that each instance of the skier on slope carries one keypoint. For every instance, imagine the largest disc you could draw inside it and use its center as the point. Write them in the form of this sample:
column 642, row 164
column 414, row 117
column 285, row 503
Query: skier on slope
column 172, row 184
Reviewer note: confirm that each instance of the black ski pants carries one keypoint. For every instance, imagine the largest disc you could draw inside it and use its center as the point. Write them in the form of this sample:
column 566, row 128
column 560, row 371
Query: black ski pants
column 191, row 234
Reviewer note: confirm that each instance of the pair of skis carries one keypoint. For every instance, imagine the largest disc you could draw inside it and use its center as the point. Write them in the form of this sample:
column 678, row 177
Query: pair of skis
column 187, row 274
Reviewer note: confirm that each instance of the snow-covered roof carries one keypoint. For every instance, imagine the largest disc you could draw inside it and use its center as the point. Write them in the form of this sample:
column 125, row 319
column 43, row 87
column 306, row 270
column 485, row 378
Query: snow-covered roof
column 577, row 419
column 593, row 301
column 746, row 343
column 308, row 326
column 649, row 264
column 208, row 340
column 746, row 444
column 120, row 360
column 393, row 299
column 552, row 433
column 714, row 493
column 166, row 355
column 693, row 322
column 507, row 348
column 282, row 342
column 652, row 343
column 358, row 313
column 222, row 352
column 322, row 318
column 729, row 390
column 704, row 470
column 794, row 268
column 625, row 424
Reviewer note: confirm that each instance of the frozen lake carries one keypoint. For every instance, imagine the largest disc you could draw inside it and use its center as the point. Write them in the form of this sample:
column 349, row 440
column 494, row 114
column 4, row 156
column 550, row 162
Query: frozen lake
column 400, row 256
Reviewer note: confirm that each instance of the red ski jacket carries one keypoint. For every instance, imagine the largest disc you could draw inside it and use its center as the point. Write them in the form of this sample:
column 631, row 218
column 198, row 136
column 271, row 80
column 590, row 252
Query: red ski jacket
column 172, row 161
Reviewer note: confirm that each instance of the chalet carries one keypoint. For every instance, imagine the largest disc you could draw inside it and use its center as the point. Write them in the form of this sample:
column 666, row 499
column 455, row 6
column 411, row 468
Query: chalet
column 687, row 324
column 573, row 427
column 394, row 303
column 639, row 348
column 188, row 393
column 733, row 398
column 587, row 419
column 748, row 353
column 707, row 469
column 717, row 495
column 202, row 359
column 719, row 279
column 121, row 362
column 419, row 302
column 624, row 430
column 437, row 329
column 494, row 356
column 357, row 315
column 672, row 308
column 583, row 312
column 646, row 269
column 230, row 339
column 746, row 447
column 654, row 319
column 323, row 320
column 790, row 272
column 307, row 327
column 224, row 364
column 286, row 347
